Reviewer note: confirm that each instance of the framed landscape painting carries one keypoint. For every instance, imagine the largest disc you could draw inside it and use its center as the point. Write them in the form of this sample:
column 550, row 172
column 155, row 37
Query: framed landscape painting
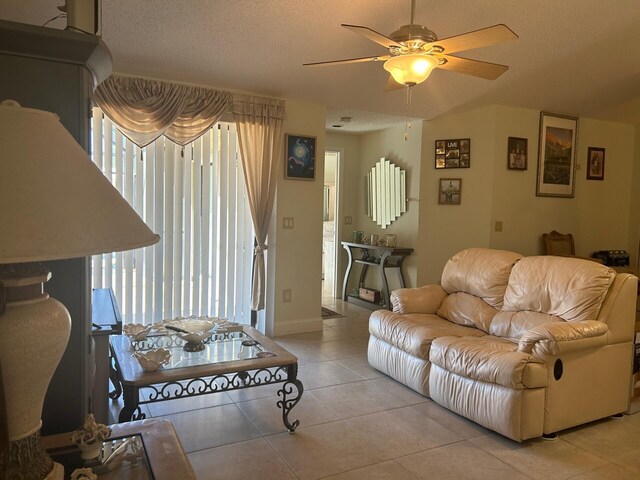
column 557, row 155
column 300, row 157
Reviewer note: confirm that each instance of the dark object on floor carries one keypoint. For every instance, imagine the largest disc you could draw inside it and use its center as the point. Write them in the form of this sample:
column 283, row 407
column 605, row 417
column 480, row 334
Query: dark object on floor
column 326, row 313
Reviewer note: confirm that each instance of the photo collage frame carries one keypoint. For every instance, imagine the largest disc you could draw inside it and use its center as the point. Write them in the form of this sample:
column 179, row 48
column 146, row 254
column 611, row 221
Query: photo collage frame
column 453, row 153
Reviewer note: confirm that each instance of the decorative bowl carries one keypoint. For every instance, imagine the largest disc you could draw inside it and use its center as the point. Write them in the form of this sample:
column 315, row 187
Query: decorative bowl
column 193, row 330
column 151, row 360
column 136, row 331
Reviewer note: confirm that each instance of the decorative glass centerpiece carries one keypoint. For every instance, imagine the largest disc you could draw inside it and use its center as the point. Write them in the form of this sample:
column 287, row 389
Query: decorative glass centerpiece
column 193, row 330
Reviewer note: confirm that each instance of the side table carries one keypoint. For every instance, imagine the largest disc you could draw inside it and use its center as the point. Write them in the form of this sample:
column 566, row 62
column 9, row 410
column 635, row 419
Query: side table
column 167, row 459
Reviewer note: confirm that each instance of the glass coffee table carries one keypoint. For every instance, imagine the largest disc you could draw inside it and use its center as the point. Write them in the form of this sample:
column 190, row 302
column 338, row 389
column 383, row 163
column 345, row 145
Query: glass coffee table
column 238, row 358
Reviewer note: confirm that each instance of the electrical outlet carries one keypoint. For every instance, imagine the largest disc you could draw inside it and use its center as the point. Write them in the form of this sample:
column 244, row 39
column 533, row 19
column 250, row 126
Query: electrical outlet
column 286, row 295
column 287, row 223
column 348, row 220
column 498, row 227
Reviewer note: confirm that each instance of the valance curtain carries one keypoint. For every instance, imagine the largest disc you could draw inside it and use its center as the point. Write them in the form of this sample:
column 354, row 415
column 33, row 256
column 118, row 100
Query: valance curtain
column 143, row 110
column 259, row 125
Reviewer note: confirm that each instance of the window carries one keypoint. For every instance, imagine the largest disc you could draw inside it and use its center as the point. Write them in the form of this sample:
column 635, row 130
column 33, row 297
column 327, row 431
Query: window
column 194, row 197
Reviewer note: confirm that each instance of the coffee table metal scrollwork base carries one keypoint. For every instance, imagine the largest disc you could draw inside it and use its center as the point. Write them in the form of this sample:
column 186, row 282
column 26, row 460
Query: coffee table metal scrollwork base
column 138, row 388
column 288, row 403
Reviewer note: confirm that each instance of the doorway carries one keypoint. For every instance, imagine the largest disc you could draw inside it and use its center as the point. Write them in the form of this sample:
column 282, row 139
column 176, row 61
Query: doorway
column 330, row 224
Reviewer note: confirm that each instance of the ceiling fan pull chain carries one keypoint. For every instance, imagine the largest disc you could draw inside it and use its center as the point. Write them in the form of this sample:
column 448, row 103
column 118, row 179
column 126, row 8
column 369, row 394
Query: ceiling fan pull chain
column 407, row 124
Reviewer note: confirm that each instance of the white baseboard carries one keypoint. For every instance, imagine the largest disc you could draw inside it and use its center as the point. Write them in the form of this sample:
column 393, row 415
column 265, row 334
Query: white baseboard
column 298, row 326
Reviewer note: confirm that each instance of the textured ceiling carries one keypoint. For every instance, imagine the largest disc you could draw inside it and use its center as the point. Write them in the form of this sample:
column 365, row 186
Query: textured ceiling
column 579, row 57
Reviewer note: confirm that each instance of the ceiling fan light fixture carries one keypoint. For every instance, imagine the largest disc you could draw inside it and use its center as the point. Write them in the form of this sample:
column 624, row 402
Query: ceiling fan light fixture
column 411, row 69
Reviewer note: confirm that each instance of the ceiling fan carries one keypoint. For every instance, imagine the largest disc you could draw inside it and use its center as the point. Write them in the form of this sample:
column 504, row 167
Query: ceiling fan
column 414, row 51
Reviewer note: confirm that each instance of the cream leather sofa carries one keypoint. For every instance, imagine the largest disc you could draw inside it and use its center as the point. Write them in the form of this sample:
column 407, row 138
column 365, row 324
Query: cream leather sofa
column 524, row 346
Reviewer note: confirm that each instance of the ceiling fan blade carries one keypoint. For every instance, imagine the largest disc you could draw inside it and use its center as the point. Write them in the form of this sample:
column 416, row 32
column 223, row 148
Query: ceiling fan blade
column 479, row 38
column 392, row 85
column 372, row 35
column 486, row 70
column 349, row 60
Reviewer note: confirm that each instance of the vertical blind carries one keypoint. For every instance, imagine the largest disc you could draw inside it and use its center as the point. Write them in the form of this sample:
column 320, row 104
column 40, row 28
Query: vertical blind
column 195, row 199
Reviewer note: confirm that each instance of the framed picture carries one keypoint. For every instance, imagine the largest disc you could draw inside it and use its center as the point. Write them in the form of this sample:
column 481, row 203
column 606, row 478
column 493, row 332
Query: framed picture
column 300, row 157
column 453, row 153
column 595, row 163
column 557, row 155
column 450, row 191
column 517, row 153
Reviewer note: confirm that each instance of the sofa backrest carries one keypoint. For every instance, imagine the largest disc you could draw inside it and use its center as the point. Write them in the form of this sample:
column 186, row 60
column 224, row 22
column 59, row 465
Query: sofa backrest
column 481, row 272
column 570, row 288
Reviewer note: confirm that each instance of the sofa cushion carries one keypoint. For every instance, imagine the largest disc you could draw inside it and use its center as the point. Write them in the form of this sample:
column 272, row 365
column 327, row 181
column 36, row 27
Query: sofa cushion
column 514, row 325
column 488, row 359
column 414, row 332
column 426, row 299
column 481, row 272
column 466, row 309
column 571, row 288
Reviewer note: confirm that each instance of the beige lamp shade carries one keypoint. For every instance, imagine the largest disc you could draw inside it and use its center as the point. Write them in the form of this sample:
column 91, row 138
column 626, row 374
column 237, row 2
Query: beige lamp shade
column 410, row 69
column 54, row 202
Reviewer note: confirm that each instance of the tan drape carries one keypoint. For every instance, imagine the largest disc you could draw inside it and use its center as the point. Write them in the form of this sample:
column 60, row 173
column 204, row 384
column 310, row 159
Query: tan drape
column 259, row 126
column 143, row 110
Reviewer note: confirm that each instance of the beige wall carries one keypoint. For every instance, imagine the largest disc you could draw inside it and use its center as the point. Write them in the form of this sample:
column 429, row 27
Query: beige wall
column 634, row 215
column 360, row 154
column 447, row 229
column 391, row 144
column 599, row 216
column 294, row 256
column 348, row 173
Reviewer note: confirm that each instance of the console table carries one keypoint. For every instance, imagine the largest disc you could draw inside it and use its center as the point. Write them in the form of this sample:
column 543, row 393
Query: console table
column 383, row 258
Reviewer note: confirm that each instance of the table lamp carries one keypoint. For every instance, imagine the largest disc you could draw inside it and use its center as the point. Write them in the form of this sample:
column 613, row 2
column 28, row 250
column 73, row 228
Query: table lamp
column 54, row 204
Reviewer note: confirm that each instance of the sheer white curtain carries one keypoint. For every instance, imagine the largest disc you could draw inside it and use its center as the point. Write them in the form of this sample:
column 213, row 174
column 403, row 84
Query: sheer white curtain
column 259, row 122
column 194, row 197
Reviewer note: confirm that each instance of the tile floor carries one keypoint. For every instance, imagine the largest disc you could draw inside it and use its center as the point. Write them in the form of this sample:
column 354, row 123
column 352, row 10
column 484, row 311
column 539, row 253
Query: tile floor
column 356, row 423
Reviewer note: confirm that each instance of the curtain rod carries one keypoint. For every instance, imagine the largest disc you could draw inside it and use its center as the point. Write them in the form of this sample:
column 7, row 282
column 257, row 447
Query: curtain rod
column 199, row 85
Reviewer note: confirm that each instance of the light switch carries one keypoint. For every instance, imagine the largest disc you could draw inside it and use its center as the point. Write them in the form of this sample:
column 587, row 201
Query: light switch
column 348, row 220
column 498, row 227
column 286, row 295
column 287, row 223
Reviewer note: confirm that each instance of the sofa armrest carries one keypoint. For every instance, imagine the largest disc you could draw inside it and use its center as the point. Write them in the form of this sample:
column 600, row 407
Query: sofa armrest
column 425, row 299
column 561, row 337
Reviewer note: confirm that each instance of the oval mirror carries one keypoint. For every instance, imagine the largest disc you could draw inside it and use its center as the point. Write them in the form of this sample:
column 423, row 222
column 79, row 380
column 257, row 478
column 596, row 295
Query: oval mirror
column 385, row 193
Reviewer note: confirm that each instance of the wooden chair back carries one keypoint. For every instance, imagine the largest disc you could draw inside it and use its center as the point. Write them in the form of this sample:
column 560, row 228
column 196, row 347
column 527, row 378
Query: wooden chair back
column 557, row 243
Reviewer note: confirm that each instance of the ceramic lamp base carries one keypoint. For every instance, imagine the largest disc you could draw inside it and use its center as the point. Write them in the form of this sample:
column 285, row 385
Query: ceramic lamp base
column 27, row 459
column 34, row 330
